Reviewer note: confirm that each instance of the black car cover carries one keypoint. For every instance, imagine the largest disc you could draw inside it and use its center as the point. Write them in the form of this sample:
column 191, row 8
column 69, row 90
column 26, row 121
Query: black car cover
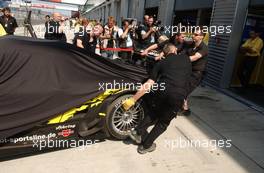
column 40, row 79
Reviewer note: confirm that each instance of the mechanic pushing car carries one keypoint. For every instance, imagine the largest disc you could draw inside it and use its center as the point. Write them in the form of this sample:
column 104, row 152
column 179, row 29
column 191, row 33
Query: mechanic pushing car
column 174, row 71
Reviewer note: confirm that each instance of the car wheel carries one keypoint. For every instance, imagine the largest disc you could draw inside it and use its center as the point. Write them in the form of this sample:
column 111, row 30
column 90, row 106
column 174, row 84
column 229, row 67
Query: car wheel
column 119, row 121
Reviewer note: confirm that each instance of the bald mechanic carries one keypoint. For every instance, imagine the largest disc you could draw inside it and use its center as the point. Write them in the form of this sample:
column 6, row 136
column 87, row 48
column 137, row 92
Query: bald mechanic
column 174, row 71
column 55, row 28
column 198, row 56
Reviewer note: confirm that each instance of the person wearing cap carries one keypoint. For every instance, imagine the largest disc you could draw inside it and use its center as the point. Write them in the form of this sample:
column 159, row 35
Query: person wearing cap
column 173, row 73
column 8, row 22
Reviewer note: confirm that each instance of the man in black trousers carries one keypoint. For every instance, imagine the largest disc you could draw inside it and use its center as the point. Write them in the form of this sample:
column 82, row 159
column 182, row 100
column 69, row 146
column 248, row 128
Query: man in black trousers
column 198, row 56
column 173, row 72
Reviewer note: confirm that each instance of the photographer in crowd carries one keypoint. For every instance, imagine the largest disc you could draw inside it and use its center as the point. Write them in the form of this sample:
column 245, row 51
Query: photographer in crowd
column 125, row 40
column 142, row 25
column 147, row 34
column 109, row 38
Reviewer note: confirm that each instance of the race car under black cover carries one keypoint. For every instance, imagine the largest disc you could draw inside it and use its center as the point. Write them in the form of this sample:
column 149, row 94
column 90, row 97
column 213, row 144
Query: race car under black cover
column 53, row 90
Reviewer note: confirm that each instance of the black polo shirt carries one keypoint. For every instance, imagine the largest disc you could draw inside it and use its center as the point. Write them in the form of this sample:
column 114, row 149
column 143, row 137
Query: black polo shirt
column 174, row 71
column 9, row 24
column 200, row 64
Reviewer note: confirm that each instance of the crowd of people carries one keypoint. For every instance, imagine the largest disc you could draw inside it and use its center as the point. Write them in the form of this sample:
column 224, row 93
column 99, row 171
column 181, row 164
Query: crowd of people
column 109, row 40
column 134, row 41
column 180, row 64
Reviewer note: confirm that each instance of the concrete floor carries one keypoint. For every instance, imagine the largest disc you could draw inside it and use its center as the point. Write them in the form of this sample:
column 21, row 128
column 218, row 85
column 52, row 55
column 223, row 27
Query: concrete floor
column 215, row 117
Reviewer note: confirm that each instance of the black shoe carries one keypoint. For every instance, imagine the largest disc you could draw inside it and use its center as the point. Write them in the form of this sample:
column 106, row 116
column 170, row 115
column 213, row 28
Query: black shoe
column 185, row 113
column 142, row 150
column 134, row 136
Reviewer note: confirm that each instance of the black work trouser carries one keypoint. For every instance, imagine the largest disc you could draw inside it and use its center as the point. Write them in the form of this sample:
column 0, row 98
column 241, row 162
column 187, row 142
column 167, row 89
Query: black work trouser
column 195, row 80
column 161, row 117
column 246, row 69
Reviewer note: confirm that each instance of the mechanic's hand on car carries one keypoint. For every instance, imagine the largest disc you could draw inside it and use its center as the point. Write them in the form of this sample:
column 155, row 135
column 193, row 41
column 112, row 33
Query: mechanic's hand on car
column 128, row 103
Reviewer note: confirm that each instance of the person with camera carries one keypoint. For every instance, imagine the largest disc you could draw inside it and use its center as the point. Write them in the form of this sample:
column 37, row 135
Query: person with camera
column 142, row 25
column 125, row 40
column 8, row 22
column 109, row 38
column 174, row 73
column 147, row 34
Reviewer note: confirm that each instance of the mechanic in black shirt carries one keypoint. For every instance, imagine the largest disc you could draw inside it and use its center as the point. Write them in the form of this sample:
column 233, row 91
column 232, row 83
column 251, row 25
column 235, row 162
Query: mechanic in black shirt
column 198, row 55
column 173, row 72
column 8, row 22
column 176, row 39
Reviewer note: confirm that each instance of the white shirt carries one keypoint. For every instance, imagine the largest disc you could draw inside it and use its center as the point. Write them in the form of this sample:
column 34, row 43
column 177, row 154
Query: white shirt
column 129, row 42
